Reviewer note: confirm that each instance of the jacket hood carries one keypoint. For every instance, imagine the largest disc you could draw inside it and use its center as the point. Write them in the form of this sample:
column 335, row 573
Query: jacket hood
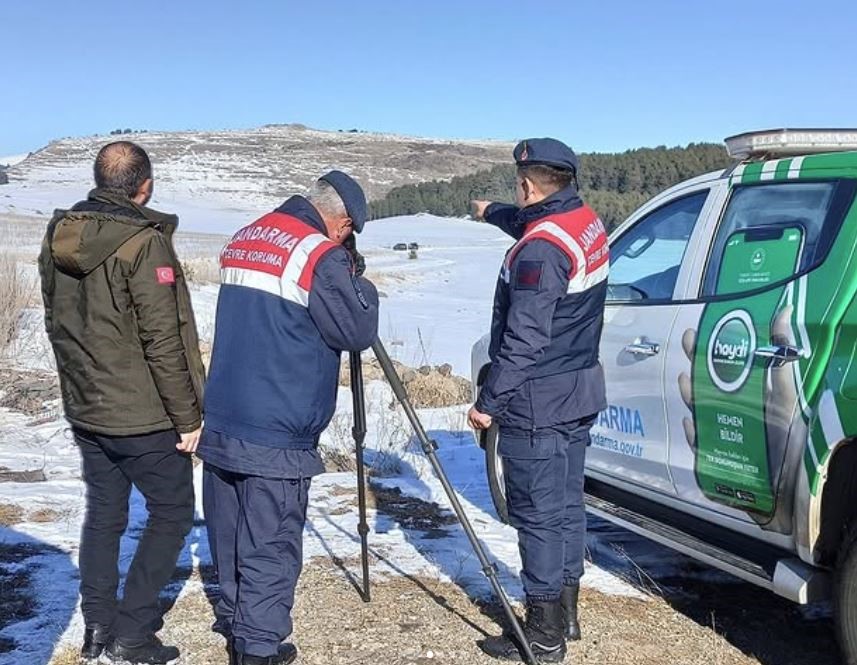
column 86, row 236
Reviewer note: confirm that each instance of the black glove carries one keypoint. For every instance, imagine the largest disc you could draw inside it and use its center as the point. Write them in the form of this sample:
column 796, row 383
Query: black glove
column 350, row 243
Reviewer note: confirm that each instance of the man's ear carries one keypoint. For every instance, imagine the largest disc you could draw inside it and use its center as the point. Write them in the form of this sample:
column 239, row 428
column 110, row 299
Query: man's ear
column 527, row 188
column 345, row 227
column 144, row 193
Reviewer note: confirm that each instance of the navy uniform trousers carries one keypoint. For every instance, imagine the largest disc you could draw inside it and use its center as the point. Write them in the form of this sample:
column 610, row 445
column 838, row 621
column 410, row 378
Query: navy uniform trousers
column 543, row 471
column 255, row 531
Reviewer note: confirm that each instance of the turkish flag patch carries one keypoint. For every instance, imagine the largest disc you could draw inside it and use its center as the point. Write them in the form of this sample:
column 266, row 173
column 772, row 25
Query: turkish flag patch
column 165, row 275
column 529, row 275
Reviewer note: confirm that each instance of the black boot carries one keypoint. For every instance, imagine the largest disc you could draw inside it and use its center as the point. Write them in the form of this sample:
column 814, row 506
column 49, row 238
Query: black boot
column 568, row 598
column 148, row 652
column 543, row 630
column 286, row 654
column 95, row 638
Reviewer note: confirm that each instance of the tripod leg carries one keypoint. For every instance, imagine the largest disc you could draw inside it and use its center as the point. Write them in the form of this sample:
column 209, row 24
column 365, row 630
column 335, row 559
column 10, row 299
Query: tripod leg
column 359, row 433
column 429, row 447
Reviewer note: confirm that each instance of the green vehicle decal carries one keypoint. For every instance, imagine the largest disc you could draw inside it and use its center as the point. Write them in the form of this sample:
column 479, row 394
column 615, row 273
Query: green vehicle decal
column 737, row 455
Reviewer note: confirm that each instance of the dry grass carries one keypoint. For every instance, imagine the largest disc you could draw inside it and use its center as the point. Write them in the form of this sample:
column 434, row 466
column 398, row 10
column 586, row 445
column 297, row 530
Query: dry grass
column 66, row 655
column 202, row 270
column 428, row 387
column 16, row 294
column 432, row 389
column 10, row 514
column 44, row 516
column 337, row 448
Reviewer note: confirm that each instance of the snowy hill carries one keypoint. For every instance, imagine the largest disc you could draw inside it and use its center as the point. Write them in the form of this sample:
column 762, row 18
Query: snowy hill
column 212, row 175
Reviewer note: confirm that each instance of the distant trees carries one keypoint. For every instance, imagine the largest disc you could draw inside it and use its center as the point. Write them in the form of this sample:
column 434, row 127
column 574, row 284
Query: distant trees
column 4, row 179
column 117, row 132
column 614, row 184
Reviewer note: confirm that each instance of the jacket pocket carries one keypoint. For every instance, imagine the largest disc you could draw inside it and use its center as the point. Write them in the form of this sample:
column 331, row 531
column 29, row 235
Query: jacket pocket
column 533, row 473
column 518, row 413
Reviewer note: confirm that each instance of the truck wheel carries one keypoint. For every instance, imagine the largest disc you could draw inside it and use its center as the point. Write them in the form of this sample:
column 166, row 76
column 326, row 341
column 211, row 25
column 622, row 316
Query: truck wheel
column 494, row 468
column 845, row 598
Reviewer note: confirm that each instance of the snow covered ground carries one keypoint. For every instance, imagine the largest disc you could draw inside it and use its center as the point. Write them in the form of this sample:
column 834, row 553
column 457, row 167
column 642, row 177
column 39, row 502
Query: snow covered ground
column 437, row 306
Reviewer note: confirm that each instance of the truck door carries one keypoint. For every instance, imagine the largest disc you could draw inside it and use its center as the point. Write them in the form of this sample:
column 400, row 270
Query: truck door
column 630, row 438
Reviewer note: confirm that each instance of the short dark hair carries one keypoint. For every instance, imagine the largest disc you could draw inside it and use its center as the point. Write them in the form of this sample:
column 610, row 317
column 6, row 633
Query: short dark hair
column 122, row 166
column 549, row 178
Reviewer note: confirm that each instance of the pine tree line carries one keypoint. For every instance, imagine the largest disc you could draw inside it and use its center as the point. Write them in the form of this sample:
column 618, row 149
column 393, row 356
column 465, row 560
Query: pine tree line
column 614, row 184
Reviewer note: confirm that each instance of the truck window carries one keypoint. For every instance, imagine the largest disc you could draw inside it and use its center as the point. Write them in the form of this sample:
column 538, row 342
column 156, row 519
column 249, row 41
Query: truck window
column 645, row 261
column 816, row 208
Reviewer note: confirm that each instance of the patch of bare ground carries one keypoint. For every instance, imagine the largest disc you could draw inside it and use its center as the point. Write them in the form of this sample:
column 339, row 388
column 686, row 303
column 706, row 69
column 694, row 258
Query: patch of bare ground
column 414, row 621
column 28, row 391
column 412, row 513
column 773, row 630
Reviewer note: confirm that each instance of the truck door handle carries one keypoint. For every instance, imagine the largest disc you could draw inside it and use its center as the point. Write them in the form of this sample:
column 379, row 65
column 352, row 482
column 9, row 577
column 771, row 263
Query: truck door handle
column 642, row 347
column 780, row 355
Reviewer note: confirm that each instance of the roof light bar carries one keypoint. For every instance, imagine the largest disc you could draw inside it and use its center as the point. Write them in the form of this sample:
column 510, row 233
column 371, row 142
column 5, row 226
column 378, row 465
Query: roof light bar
column 790, row 142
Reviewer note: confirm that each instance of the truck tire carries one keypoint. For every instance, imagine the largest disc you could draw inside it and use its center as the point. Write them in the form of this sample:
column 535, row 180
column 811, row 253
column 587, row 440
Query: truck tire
column 845, row 598
column 494, row 469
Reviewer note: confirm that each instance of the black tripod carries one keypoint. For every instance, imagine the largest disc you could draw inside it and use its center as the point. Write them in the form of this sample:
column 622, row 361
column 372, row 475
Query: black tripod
column 429, row 447
column 359, row 433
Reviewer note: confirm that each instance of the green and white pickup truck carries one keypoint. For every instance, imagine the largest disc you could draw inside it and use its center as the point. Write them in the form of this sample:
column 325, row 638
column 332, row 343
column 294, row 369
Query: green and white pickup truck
column 730, row 350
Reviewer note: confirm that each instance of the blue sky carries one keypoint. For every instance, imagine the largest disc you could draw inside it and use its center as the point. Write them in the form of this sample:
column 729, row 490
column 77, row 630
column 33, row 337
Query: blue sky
column 603, row 76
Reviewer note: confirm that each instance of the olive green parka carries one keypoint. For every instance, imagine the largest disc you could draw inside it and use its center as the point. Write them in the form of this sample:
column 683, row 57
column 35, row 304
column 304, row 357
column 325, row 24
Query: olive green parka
column 119, row 318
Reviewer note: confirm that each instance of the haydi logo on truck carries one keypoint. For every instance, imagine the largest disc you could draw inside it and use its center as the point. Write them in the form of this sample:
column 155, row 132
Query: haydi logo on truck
column 730, row 350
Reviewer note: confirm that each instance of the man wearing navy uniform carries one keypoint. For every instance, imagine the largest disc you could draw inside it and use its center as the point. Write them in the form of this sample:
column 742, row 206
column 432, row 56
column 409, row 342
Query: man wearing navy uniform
column 292, row 299
column 546, row 384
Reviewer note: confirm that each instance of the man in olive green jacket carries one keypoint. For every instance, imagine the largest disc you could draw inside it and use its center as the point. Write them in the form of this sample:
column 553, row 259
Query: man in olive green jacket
column 118, row 314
